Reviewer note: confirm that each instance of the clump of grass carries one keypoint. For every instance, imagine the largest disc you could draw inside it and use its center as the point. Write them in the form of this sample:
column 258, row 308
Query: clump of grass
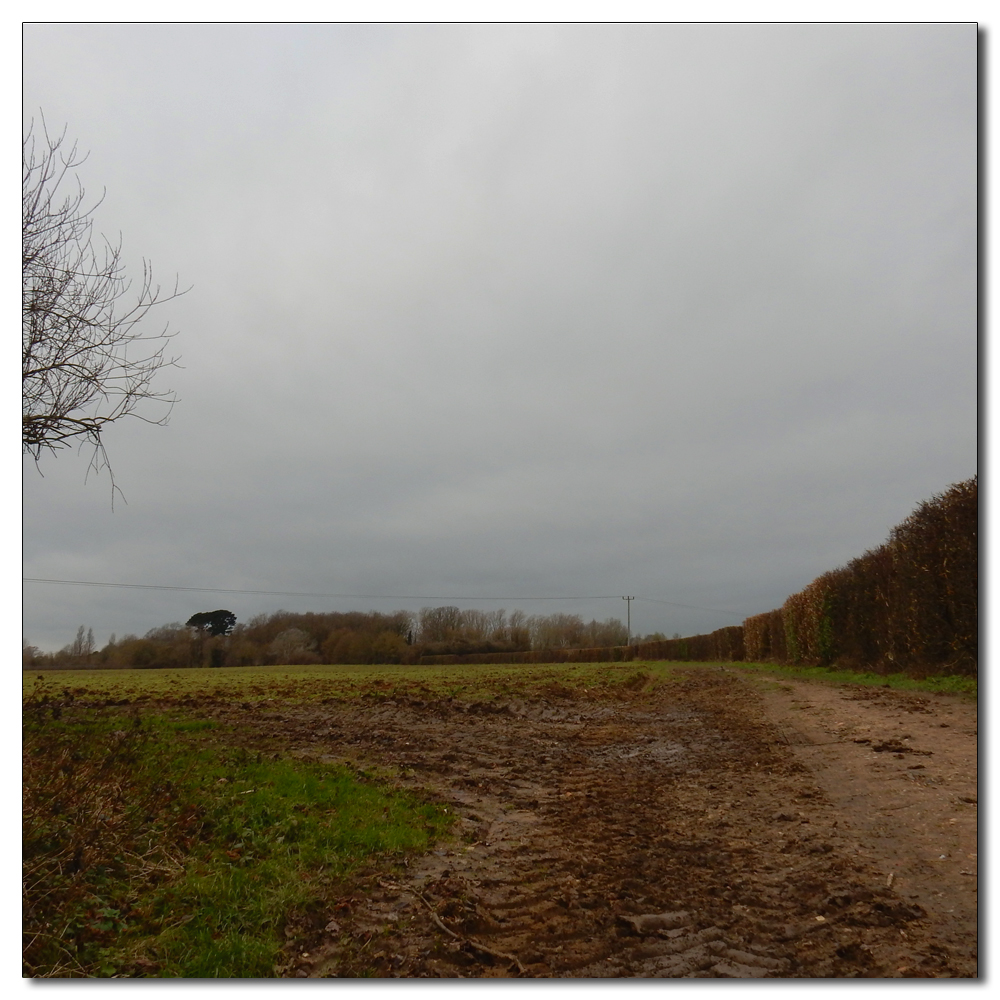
column 192, row 725
column 147, row 852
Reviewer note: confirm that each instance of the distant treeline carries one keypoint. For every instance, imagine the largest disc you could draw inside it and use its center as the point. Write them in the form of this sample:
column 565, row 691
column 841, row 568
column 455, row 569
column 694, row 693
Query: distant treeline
column 339, row 637
column 910, row 604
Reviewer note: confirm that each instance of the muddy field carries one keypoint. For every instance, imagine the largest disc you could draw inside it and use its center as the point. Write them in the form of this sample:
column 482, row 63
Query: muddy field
column 716, row 826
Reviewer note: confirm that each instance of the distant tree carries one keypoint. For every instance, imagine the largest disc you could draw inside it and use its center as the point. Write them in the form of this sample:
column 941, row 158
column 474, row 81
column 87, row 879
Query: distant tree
column 556, row 631
column 171, row 632
column 213, row 622
column 294, row 646
column 87, row 359
column 517, row 632
column 440, row 624
column 83, row 644
column 610, row 632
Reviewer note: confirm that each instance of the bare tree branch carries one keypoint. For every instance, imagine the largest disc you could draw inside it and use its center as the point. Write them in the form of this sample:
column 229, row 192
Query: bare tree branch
column 87, row 357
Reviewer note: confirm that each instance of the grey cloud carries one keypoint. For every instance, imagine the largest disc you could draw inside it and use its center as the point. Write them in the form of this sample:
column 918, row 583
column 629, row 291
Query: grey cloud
column 686, row 311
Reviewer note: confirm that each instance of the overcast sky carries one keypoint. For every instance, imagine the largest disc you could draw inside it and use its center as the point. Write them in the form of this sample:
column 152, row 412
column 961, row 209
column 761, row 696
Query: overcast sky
column 488, row 313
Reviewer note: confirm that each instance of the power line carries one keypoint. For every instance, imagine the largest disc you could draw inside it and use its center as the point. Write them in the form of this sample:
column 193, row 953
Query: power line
column 367, row 597
column 297, row 593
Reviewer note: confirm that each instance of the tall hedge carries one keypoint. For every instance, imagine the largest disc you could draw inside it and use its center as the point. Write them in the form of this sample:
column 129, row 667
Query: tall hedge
column 911, row 603
column 935, row 601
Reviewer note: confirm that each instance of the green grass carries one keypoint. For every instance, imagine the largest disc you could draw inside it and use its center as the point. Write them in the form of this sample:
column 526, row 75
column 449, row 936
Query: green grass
column 192, row 725
column 966, row 686
column 152, row 850
column 276, row 829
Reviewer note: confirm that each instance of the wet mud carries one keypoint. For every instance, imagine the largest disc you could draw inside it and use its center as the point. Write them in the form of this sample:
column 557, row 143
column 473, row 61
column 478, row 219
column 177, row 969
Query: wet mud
column 700, row 828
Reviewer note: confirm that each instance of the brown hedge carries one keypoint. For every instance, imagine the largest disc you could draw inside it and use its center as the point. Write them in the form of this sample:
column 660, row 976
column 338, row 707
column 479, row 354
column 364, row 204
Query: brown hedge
column 910, row 604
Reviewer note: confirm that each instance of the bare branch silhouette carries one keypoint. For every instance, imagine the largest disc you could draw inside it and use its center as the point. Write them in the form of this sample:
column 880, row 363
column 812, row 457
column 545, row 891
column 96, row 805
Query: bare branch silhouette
column 88, row 360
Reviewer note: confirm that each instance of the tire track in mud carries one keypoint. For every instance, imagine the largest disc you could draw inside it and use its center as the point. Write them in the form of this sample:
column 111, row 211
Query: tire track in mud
column 665, row 832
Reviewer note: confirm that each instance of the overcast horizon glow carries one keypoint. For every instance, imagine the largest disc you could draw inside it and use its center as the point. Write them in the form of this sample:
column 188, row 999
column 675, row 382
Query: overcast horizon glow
column 684, row 311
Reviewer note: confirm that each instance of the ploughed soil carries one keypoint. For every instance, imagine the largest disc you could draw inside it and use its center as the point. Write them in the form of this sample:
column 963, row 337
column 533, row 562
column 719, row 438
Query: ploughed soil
column 718, row 825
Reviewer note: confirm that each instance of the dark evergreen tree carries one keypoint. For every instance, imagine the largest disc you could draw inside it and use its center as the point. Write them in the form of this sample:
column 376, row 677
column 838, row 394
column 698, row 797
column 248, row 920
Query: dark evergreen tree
column 213, row 622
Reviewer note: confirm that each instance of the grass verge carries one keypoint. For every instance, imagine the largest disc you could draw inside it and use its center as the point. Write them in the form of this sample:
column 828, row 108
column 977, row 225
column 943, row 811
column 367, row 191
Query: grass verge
column 152, row 849
column 966, row 686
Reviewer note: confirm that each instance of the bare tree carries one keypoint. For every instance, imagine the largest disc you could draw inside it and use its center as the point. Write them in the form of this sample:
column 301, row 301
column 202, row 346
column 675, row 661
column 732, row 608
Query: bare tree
column 83, row 645
column 87, row 358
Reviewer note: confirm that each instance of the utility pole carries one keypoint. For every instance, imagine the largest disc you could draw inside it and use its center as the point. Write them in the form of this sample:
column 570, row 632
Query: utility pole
column 628, row 612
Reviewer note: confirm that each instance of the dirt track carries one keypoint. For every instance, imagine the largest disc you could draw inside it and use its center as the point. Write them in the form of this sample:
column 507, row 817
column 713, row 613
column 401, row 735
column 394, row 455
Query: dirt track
column 715, row 827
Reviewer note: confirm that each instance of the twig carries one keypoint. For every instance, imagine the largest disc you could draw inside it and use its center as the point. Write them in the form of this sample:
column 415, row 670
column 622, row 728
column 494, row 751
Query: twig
column 57, row 970
column 459, row 937
column 177, row 923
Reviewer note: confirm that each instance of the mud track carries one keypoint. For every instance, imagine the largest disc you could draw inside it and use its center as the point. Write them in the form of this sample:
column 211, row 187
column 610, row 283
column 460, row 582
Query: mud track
column 716, row 826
